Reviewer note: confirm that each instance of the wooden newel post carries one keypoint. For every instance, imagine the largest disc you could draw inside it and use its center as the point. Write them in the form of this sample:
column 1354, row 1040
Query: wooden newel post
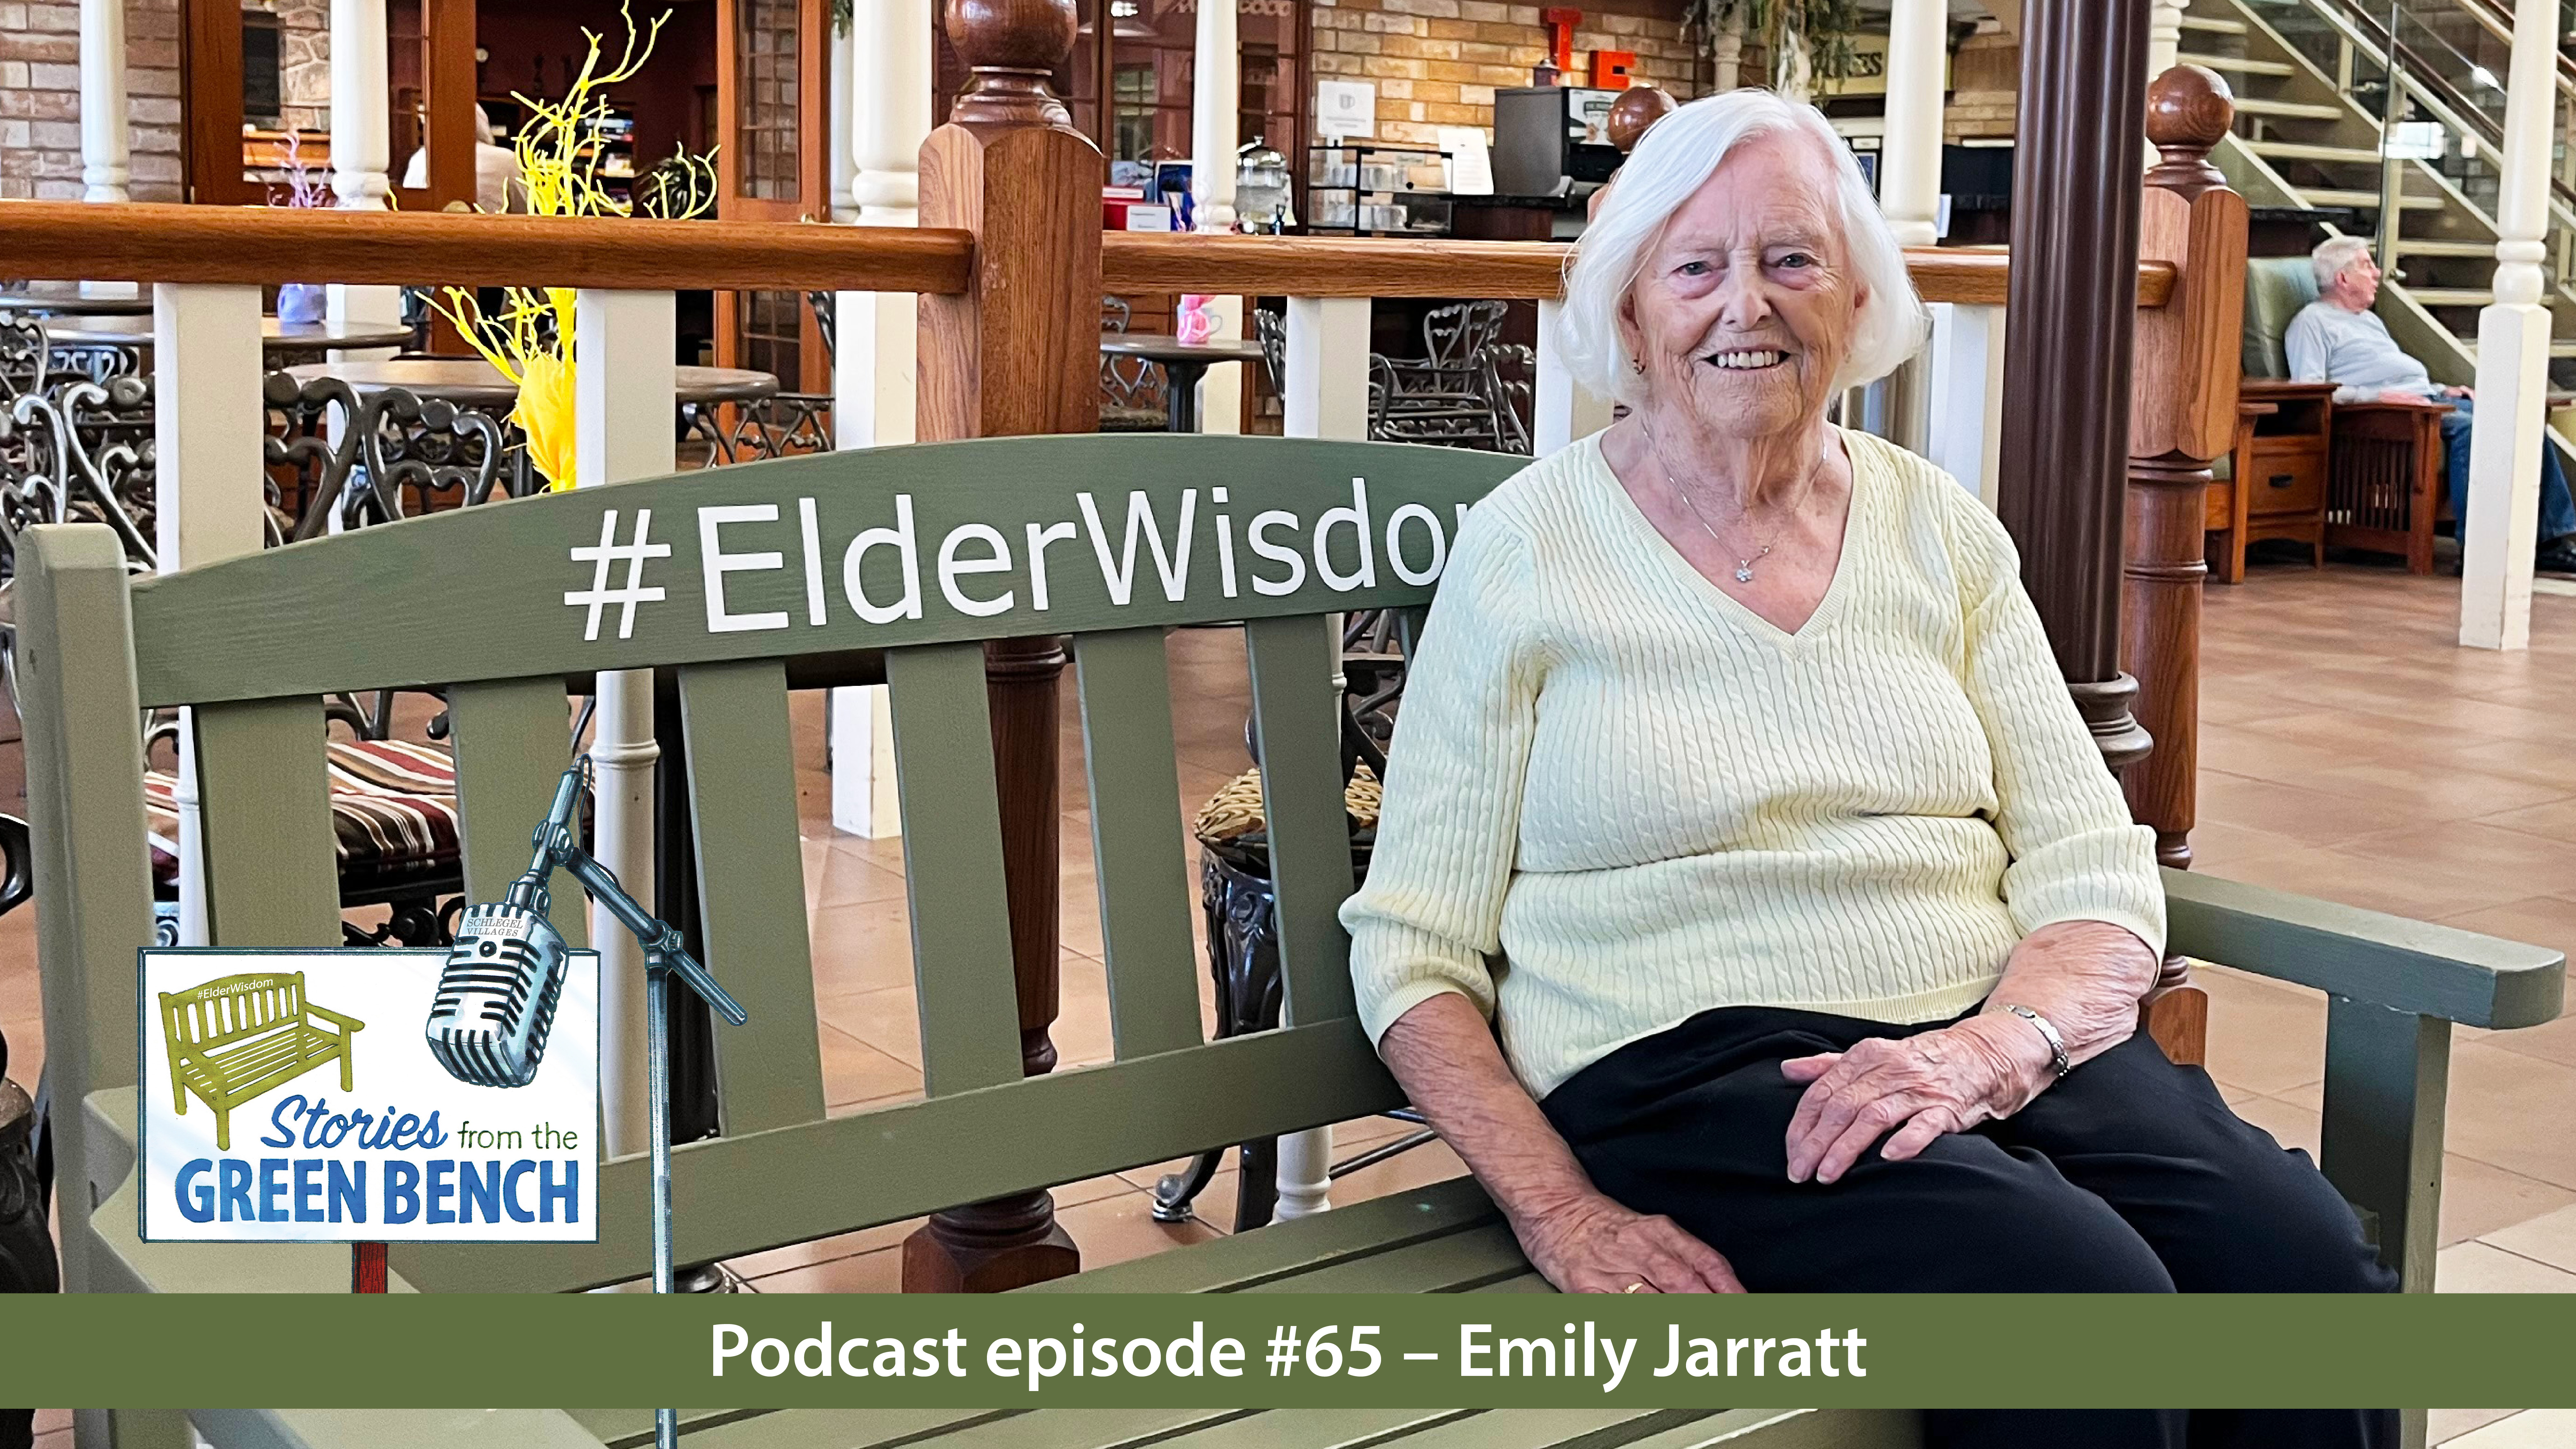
column 2182, row 413
column 1015, row 353
column 2073, row 294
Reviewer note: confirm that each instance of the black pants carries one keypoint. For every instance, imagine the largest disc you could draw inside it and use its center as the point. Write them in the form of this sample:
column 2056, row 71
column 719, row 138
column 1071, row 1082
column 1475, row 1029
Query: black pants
column 2130, row 1176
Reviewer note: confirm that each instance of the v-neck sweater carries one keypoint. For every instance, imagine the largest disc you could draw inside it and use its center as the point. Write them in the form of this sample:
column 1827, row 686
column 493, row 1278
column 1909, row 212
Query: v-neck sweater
column 1618, row 797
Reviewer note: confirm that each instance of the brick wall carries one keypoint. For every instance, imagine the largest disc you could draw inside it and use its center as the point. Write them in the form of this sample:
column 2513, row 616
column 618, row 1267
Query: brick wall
column 304, row 63
column 40, row 145
column 1985, row 79
column 1439, row 62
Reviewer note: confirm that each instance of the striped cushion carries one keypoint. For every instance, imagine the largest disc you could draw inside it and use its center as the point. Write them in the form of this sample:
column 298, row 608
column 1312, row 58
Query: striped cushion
column 393, row 811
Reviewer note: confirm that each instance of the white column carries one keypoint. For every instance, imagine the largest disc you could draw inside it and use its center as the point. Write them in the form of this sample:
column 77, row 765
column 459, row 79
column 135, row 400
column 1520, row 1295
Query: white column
column 1560, row 410
column 208, row 427
column 2164, row 36
column 105, row 162
column 1327, row 397
column 1216, row 98
column 1964, row 366
column 1909, row 176
column 2513, row 355
column 1726, row 58
column 844, row 134
column 361, row 138
column 622, row 406
column 873, row 360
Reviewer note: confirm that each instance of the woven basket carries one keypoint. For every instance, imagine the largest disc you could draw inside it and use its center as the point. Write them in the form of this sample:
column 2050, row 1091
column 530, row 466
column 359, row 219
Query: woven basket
column 1234, row 811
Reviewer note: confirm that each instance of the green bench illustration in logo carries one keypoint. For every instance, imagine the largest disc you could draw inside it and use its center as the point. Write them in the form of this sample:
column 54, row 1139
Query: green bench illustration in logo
column 235, row 1037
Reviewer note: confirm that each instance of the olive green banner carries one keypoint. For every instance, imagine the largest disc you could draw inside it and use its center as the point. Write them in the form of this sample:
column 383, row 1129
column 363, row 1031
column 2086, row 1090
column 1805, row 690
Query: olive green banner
column 1264, row 1350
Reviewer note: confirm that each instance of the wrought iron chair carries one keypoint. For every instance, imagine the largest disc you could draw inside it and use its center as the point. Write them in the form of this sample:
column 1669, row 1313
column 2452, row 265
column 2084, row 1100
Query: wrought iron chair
column 1445, row 396
column 1135, row 393
column 779, row 425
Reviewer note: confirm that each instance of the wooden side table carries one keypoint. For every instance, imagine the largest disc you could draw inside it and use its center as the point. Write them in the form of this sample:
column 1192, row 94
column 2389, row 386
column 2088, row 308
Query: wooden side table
column 2276, row 486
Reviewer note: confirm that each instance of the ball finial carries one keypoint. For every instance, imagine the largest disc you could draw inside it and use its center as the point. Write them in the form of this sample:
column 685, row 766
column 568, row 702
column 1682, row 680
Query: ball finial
column 1637, row 108
column 2189, row 109
column 1013, row 48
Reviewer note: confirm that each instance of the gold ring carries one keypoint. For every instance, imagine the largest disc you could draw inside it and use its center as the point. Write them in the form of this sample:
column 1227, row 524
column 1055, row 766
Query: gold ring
column 1637, row 1287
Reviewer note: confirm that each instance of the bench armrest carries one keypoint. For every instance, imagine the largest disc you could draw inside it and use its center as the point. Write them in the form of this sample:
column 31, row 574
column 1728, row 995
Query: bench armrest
column 345, row 1023
column 2367, row 956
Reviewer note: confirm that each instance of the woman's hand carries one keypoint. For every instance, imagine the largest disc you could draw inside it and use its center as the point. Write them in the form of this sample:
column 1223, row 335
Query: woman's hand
column 1589, row 1244
column 1918, row 1086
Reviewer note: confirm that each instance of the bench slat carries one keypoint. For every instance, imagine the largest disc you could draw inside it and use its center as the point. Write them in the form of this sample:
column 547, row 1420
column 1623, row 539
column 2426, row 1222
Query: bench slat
column 952, row 867
column 1042, row 1429
column 263, row 783
column 513, row 741
column 751, row 891
column 738, row 1195
column 1320, row 1428
column 1305, row 1245
column 84, row 758
column 1450, row 1263
column 1297, row 717
column 1135, row 799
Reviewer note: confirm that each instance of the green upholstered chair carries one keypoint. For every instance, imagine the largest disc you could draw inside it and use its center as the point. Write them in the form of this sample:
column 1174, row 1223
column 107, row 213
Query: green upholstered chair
column 2380, row 464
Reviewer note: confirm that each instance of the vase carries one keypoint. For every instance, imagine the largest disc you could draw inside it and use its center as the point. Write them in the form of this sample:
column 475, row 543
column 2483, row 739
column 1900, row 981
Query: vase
column 301, row 302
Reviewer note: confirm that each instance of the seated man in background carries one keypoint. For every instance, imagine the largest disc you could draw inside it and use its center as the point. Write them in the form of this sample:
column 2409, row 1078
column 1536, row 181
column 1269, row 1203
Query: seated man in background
column 2338, row 339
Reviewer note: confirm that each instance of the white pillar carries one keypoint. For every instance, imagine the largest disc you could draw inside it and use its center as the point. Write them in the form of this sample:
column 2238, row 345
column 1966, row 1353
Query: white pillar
column 361, row 128
column 1216, row 98
column 1726, row 58
column 622, row 406
column 1909, row 154
column 105, row 162
column 208, row 428
column 873, row 374
column 1560, row 409
column 361, row 138
column 844, row 134
column 2513, row 355
column 1964, row 378
column 2164, row 36
column 1327, row 397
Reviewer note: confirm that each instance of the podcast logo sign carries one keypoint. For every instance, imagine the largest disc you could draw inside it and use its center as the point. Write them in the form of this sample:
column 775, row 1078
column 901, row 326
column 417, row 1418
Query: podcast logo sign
column 290, row 1096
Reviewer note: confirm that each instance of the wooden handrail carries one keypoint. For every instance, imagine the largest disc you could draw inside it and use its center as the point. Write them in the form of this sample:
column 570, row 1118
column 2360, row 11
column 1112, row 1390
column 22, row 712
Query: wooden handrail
column 143, row 242
column 1387, row 267
column 146, row 242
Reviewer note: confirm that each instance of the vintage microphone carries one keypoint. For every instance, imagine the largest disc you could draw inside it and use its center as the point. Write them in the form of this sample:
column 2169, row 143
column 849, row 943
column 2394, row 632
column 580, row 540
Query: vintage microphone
column 497, row 995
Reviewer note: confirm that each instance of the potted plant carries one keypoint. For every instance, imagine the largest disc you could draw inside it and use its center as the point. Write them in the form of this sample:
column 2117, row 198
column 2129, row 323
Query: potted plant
column 1804, row 40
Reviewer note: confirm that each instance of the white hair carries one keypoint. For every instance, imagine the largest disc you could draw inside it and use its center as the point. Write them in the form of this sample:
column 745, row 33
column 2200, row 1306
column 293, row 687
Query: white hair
column 1674, row 160
column 2333, row 256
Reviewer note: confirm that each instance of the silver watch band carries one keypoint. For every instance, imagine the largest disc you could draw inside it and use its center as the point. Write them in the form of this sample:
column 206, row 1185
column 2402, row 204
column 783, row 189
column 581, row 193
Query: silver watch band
column 2056, row 1044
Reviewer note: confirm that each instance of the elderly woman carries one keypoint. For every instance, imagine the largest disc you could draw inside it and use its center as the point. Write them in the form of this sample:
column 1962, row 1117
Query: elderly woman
column 1738, row 792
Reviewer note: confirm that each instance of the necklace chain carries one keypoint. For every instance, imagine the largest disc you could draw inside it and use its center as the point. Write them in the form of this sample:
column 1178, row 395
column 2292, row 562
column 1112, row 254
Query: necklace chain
column 1743, row 565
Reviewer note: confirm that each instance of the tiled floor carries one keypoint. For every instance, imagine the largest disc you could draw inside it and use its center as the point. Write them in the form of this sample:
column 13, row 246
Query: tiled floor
column 2348, row 750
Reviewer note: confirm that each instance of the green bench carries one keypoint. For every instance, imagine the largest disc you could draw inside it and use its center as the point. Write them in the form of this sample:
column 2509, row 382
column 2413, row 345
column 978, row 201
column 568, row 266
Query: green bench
column 235, row 1037
column 495, row 604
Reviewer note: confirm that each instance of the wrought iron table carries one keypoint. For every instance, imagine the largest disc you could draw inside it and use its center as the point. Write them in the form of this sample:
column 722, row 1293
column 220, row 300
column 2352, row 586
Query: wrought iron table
column 66, row 302
column 126, row 338
column 1183, row 362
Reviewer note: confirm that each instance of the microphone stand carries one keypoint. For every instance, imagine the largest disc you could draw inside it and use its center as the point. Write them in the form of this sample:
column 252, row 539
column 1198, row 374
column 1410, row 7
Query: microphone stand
column 666, row 954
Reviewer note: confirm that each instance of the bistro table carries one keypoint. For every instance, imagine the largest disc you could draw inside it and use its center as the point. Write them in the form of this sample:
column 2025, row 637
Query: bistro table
column 66, row 302
column 277, row 340
column 1184, row 363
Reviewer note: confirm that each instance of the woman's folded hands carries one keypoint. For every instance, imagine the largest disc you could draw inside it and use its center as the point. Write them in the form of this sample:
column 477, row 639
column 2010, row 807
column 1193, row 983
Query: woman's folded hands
column 1915, row 1087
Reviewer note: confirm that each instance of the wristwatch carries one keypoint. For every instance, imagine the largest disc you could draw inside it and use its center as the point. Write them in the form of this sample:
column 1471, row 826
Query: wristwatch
column 2056, row 1044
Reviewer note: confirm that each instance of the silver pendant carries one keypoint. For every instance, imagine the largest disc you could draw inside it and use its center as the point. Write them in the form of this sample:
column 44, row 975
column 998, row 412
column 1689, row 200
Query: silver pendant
column 1744, row 573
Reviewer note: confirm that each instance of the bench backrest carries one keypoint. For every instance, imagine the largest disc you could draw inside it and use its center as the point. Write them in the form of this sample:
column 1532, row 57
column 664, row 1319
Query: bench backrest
column 741, row 580
column 227, row 1010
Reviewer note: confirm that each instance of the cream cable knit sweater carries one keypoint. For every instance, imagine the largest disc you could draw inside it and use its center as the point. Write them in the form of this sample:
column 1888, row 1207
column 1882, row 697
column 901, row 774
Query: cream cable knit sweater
column 1618, row 798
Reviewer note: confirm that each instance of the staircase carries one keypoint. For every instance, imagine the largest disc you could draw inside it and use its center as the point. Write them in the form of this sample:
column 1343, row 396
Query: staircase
column 2311, row 79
